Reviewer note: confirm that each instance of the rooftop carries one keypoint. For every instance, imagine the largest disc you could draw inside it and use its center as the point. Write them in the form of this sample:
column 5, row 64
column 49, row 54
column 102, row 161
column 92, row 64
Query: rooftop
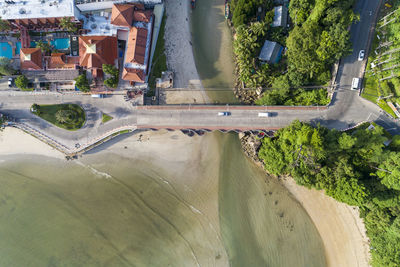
column 95, row 51
column 31, row 59
column 27, row 9
column 100, row 25
column 270, row 52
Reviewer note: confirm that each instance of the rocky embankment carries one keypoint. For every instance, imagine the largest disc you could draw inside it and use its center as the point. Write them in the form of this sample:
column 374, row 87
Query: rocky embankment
column 250, row 144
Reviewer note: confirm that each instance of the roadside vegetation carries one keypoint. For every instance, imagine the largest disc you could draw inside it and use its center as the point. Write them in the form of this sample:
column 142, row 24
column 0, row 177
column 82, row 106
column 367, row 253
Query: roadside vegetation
column 6, row 67
column 67, row 116
column 353, row 167
column 22, row 83
column 105, row 118
column 159, row 62
column 111, row 70
column 82, row 83
column 316, row 39
column 381, row 80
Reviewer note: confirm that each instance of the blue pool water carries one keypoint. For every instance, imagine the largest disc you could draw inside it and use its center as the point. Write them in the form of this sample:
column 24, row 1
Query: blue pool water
column 5, row 50
column 61, row 43
column 18, row 47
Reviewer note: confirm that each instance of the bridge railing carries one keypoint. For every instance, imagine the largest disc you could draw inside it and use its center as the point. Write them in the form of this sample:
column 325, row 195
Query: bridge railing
column 225, row 107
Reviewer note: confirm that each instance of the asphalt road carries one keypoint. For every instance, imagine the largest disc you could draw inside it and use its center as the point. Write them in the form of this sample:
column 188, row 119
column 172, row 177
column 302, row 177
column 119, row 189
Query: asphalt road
column 346, row 110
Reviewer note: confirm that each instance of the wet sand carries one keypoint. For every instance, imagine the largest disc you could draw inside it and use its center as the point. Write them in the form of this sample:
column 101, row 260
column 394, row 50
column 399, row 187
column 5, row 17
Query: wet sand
column 342, row 230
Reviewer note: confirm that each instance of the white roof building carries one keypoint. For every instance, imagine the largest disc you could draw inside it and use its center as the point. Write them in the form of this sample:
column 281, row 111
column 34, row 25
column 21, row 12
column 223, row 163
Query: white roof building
column 36, row 9
column 271, row 52
column 280, row 16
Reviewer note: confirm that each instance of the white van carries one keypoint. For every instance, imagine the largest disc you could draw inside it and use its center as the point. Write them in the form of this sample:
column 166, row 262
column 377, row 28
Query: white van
column 355, row 84
column 98, row 96
column 264, row 114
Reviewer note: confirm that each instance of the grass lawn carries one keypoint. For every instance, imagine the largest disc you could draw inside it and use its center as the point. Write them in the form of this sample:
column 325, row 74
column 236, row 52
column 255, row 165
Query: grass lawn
column 159, row 63
column 370, row 91
column 383, row 105
column 106, row 118
column 75, row 120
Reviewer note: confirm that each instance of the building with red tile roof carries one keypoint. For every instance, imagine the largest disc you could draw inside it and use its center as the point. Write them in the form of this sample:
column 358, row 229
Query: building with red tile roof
column 60, row 61
column 31, row 59
column 136, row 75
column 95, row 51
column 136, row 46
column 142, row 16
column 122, row 15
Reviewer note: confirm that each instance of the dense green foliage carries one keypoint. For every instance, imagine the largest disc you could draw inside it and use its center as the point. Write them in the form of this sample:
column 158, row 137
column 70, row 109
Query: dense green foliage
column 68, row 25
column 111, row 82
column 45, row 47
column 67, row 116
column 6, row 67
column 244, row 11
column 318, row 38
column 353, row 167
column 4, row 25
column 82, row 83
column 22, row 82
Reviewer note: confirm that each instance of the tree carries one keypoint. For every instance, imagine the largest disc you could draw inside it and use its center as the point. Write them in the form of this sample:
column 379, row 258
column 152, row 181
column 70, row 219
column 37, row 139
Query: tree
column 68, row 25
column 111, row 82
column 299, row 10
column 44, row 46
column 65, row 116
column 6, row 66
column 245, row 10
column 82, row 83
column 4, row 25
column 389, row 171
column 21, row 82
column 35, row 108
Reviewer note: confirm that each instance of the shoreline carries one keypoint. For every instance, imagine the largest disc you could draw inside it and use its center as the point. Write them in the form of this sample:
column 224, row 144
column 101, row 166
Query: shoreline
column 180, row 57
column 340, row 226
column 14, row 141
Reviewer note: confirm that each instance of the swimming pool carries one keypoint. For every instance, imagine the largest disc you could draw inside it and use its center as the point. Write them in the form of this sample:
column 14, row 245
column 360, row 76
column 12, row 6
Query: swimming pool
column 61, row 43
column 17, row 47
column 5, row 50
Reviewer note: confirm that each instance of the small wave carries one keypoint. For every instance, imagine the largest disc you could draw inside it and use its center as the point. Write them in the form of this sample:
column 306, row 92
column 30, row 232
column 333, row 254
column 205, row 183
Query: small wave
column 94, row 171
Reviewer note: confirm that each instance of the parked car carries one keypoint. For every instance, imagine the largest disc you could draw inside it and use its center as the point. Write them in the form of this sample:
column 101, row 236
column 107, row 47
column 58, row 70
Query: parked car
column 225, row 113
column 10, row 82
column 361, row 55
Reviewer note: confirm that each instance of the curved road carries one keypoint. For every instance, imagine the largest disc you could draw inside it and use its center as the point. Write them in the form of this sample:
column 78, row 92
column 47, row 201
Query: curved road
column 346, row 109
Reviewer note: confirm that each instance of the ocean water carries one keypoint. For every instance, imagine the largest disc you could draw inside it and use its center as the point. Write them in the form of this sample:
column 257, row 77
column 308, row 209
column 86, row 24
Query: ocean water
column 107, row 210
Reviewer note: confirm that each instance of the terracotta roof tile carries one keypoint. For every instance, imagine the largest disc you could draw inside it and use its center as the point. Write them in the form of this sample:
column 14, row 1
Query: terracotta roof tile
column 31, row 59
column 136, row 50
column 143, row 16
column 59, row 61
column 122, row 15
column 134, row 75
column 95, row 51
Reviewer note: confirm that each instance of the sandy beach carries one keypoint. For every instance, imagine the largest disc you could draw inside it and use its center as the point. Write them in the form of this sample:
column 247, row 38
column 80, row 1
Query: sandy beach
column 179, row 52
column 15, row 141
column 340, row 226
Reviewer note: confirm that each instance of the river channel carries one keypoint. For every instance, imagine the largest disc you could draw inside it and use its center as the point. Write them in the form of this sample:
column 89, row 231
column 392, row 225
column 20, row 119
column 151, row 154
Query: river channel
column 261, row 224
